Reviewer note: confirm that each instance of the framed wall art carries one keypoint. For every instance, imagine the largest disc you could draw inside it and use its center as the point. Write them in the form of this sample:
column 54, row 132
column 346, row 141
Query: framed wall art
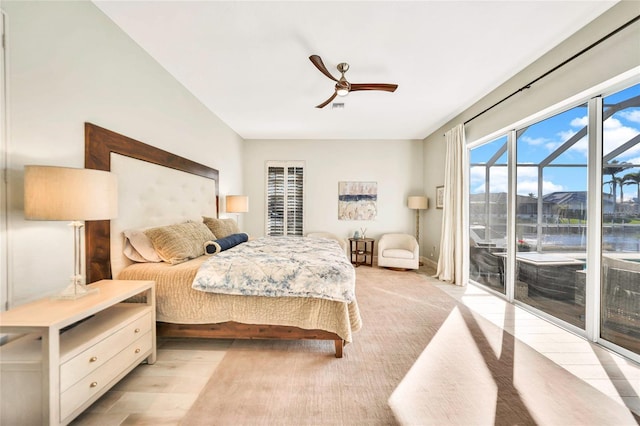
column 440, row 197
column 357, row 200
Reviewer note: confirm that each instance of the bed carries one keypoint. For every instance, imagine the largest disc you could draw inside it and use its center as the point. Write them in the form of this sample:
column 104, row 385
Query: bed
column 176, row 189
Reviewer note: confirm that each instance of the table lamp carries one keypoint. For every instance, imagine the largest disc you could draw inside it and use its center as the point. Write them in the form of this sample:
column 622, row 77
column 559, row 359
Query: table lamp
column 237, row 204
column 76, row 195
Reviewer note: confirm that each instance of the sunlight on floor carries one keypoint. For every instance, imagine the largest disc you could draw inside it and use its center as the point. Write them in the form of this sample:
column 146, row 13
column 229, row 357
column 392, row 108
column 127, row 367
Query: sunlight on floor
column 452, row 377
column 606, row 371
column 491, row 361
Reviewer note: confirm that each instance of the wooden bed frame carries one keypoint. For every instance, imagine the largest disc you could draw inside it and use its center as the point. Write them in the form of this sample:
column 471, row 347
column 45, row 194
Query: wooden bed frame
column 99, row 144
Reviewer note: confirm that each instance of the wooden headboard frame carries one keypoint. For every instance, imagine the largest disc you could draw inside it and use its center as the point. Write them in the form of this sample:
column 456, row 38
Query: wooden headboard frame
column 99, row 143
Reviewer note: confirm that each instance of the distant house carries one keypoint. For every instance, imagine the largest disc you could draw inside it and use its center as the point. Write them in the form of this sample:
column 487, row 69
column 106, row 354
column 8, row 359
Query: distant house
column 565, row 204
column 559, row 204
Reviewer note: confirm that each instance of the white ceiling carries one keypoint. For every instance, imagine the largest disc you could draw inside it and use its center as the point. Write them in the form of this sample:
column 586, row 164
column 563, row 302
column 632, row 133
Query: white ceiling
column 248, row 61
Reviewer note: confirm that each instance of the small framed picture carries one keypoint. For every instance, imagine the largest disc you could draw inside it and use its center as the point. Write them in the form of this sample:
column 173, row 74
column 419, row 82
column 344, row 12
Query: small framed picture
column 439, row 197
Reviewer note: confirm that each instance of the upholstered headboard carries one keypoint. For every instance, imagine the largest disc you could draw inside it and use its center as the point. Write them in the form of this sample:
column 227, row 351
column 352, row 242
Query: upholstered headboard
column 155, row 188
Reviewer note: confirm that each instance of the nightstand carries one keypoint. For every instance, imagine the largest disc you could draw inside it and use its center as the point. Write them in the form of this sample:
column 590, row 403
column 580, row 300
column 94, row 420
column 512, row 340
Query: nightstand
column 361, row 251
column 73, row 351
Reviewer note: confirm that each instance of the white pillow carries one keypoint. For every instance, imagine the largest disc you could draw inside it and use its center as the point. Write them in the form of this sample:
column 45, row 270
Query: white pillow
column 138, row 247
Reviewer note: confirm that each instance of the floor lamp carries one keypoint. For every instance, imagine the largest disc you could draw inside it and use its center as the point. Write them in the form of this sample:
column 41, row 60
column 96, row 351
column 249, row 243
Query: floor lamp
column 418, row 203
column 76, row 195
column 237, row 204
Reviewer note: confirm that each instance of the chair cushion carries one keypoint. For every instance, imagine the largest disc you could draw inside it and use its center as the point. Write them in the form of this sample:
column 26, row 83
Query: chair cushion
column 398, row 253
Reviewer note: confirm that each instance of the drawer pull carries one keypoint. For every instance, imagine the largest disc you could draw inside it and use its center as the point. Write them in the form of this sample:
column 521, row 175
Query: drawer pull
column 93, row 384
column 93, row 359
column 137, row 330
column 137, row 350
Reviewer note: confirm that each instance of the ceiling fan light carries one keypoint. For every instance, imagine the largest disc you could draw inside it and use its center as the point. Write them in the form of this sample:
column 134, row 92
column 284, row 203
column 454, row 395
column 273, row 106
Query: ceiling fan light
column 343, row 91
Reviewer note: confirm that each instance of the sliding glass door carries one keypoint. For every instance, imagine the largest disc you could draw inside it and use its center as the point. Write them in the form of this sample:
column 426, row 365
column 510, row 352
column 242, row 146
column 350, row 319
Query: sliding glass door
column 488, row 214
column 620, row 289
column 551, row 215
column 529, row 192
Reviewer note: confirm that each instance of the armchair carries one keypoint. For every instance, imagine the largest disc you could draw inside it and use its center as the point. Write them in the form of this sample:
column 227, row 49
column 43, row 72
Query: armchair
column 398, row 251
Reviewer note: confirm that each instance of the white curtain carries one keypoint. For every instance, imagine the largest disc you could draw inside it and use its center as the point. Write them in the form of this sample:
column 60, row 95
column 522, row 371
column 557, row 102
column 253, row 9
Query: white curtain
column 450, row 261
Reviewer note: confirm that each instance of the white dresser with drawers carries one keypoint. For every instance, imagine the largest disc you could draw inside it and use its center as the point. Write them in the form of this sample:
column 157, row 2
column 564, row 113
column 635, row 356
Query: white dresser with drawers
column 73, row 351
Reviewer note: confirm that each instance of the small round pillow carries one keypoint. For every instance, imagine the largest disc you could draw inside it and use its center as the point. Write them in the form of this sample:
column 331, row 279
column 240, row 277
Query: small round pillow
column 222, row 244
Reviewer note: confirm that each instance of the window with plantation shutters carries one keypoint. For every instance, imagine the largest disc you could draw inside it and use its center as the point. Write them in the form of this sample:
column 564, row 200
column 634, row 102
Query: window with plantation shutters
column 285, row 198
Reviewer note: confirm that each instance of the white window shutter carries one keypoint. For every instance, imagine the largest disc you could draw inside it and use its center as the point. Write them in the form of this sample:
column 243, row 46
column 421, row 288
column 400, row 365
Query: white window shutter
column 285, row 198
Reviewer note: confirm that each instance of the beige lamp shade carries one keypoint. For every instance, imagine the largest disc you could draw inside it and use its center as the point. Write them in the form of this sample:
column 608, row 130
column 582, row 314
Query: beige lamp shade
column 62, row 193
column 237, row 203
column 418, row 203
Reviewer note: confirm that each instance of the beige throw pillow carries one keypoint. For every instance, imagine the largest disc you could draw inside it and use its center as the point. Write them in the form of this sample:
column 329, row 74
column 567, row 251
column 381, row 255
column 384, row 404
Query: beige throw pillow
column 180, row 242
column 221, row 227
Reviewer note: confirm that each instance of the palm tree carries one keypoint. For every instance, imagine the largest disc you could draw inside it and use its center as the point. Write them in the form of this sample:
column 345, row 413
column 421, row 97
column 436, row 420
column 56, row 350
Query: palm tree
column 618, row 182
column 613, row 168
column 633, row 179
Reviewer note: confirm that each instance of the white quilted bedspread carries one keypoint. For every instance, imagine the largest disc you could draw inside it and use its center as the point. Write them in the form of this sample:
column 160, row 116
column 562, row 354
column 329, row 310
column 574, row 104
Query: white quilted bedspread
column 280, row 266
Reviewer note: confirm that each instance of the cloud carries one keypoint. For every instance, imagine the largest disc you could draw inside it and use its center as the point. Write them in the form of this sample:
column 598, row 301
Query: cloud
column 534, row 141
column 527, row 185
column 612, row 123
column 498, row 180
column 552, row 146
column 582, row 147
column 579, row 149
column 631, row 115
column 580, row 121
column 617, row 134
column 565, row 135
column 527, row 181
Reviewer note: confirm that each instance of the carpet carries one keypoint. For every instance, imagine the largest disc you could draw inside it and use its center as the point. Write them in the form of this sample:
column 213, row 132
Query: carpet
column 418, row 344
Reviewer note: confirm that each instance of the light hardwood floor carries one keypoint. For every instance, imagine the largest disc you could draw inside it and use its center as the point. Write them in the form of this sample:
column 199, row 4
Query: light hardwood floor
column 159, row 394
column 164, row 392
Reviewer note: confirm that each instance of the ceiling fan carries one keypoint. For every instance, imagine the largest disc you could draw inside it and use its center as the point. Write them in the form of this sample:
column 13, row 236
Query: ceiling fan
column 343, row 87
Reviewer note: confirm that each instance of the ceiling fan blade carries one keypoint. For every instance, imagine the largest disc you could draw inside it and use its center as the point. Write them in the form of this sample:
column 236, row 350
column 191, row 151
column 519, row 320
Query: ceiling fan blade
column 315, row 60
column 325, row 103
column 373, row 86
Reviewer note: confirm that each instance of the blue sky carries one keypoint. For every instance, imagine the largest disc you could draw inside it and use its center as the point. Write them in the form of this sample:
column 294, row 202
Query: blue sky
column 543, row 138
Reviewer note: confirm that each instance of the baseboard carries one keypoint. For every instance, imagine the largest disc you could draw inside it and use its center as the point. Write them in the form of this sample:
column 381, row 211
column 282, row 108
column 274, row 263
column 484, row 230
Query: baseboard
column 423, row 260
column 428, row 262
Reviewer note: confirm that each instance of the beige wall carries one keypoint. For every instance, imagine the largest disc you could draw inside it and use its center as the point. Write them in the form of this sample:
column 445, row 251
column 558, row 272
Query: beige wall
column 394, row 164
column 68, row 64
column 617, row 55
